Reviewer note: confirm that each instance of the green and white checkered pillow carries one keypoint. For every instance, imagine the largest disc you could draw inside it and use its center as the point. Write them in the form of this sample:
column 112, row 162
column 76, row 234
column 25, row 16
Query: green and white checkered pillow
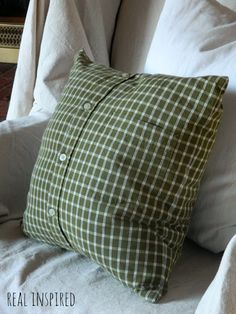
column 119, row 168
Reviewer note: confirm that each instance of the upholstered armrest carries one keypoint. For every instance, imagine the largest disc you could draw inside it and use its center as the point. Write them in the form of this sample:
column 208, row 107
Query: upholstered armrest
column 19, row 144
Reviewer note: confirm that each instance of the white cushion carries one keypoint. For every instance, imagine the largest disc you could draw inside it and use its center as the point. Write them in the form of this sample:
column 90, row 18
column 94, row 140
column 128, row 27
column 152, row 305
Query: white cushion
column 130, row 55
column 199, row 38
column 19, row 144
column 229, row 3
column 219, row 297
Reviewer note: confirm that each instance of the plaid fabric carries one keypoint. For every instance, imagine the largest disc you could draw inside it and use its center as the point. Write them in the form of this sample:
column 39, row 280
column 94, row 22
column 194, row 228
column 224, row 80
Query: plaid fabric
column 119, row 168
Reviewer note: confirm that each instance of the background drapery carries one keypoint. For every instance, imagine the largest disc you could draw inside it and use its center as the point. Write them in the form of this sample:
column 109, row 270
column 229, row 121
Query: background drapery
column 54, row 32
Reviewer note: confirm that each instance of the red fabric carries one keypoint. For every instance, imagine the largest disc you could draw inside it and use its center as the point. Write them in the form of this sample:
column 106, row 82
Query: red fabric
column 7, row 72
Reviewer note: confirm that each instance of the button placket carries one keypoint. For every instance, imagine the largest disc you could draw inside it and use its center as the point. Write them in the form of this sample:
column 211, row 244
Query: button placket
column 62, row 160
column 82, row 114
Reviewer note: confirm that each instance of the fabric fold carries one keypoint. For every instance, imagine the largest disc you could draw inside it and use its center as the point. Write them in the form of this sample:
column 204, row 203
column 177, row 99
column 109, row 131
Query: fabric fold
column 53, row 34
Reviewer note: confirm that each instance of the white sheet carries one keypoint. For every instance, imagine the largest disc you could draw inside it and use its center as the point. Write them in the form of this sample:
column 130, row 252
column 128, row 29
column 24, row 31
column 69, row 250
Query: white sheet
column 19, row 144
column 27, row 265
column 54, row 32
column 220, row 297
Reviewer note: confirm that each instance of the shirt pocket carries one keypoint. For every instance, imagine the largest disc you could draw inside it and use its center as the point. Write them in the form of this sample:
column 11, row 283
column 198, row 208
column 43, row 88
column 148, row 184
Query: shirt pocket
column 146, row 155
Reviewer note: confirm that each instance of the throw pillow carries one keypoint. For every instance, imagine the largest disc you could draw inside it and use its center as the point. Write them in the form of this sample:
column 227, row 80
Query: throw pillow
column 119, row 168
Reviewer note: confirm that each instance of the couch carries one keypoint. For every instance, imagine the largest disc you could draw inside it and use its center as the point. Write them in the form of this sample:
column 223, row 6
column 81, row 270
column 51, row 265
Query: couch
column 119, row 34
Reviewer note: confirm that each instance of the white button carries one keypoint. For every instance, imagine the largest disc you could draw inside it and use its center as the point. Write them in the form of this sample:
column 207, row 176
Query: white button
column 87, row 106
column 51, row 212
column 62, row 157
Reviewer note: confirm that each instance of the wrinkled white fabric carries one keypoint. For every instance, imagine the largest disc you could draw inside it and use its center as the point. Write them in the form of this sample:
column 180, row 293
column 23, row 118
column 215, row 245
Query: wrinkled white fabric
column 54, row 32
column 20, row 140
column 135, row 28
column 130, row 48
column 30, row 266
column 229, row 3
column 23, row 87
column 220, row 297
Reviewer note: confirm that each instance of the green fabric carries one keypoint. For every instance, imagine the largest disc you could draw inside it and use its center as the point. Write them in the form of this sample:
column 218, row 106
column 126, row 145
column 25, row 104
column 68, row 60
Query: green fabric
column 119, row 168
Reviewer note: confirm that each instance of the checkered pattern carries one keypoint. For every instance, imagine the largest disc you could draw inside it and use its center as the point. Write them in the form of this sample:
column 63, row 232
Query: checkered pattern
column 119, row 168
